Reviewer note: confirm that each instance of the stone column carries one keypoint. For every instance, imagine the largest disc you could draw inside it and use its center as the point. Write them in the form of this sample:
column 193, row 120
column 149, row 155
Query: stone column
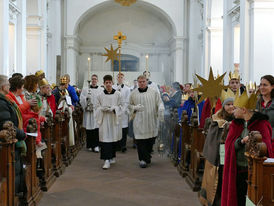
column 21, row 39
column 54, row 37
column 245, row 37
column 206, row 37
column 180, row 74
column 4, row 31
column 71, row 49
column 36, row 36
column 195, row 36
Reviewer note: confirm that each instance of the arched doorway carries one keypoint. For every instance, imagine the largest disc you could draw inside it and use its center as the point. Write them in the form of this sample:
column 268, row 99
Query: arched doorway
column 148, row 30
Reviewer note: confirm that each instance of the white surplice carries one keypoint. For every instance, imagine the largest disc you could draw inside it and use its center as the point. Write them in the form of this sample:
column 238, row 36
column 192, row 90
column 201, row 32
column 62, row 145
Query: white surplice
column 110, row 129
column 145, row 123
column 88, row 96
column 125, row 92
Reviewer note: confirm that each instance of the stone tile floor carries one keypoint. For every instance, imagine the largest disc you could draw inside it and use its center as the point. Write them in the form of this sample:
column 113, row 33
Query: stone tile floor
column 124, row 184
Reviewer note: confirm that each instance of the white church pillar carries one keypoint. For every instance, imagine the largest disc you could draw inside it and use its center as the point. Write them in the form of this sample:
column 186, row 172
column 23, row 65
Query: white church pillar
column 4, row 31
column 36, row 36
column 21, row 39
column 179, row 73
column 71, row 49
column 245, row 37
column 206, row 38
column 216, row 36
column 54, row 38
column 195, row 36
column 227, row 38
column 262, row 39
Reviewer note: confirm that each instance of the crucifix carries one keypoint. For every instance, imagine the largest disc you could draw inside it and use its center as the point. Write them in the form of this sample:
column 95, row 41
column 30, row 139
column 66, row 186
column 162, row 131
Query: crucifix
column 119, row 37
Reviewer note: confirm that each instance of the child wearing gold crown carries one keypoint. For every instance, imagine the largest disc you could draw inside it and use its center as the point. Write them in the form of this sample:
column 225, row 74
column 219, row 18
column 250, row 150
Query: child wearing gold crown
column 235, row 172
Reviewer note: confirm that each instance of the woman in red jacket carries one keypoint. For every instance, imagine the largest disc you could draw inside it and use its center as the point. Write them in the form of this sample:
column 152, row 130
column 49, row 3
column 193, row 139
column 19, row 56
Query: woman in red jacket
column 16, row 94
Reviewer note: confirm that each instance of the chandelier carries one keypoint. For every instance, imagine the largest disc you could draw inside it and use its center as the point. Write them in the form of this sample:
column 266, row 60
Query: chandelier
column 125, row 2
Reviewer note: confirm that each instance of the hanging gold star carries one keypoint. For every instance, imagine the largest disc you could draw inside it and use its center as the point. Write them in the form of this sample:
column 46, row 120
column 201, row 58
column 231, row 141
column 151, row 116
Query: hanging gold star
column 111, row 54
column 211, row 88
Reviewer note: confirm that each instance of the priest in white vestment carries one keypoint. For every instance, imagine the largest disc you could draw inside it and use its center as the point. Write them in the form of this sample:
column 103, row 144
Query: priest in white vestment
column 108, row 111
column 147, row 108
column 88, row 100
column 125, row 93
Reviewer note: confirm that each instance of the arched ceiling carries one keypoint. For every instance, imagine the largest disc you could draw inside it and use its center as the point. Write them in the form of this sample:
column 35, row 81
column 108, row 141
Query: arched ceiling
column 142, row 24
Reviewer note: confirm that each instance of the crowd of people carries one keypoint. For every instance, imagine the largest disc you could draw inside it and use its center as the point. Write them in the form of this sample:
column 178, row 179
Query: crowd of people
column 242, row 108
column 113, row 112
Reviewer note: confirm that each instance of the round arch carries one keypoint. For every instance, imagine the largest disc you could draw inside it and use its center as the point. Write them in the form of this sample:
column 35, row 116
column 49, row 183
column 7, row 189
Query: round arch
column 105, row 3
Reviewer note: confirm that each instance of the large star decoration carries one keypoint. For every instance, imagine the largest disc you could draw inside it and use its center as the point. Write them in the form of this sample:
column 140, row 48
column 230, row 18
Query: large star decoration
column 211, row 88
column 111, row 54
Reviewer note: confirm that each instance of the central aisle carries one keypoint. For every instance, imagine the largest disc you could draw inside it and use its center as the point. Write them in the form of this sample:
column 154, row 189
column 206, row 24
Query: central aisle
column 124, row 184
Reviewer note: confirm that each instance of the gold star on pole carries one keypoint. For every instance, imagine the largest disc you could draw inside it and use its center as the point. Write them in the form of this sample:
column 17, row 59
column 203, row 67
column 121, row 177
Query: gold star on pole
column 211, row 88
column 111, row 54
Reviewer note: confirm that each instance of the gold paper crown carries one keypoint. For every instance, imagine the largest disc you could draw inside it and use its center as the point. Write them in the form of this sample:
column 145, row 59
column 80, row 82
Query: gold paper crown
column 39, row 73
column 43, row 82
column 251, row 86
column 227, row 94
column 53, row 85
column 245, row 101
column 235, row 74
column 63, row 80
column 185, row 97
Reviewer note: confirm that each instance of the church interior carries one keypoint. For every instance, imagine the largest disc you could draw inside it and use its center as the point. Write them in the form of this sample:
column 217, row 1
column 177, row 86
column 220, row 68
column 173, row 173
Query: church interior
column 191, row 81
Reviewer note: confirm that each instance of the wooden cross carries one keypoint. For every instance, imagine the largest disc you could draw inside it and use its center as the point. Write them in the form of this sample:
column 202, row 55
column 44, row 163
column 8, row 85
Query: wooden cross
column 119, row 37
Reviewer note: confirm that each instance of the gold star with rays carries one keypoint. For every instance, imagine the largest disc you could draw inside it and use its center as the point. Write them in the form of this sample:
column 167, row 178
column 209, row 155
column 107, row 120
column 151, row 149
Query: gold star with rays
column 111, row 54
column 211, row 88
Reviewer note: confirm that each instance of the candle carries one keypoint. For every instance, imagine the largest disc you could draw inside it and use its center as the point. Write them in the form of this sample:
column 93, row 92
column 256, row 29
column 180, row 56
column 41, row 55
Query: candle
column 147, row 64
column 89, row 69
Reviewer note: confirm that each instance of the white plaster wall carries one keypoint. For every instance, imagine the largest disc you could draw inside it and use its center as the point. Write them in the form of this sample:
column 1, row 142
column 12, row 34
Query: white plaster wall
column 76, row 9
column 142, row 26
column 263, row 41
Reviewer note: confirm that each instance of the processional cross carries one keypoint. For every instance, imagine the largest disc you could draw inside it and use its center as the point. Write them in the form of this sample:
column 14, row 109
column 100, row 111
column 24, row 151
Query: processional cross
column 119, row 37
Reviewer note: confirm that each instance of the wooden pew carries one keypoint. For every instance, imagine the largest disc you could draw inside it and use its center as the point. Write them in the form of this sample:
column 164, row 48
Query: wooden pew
column 7, row 169
column 57, row 159
column 67, row 157
column 183, row 166
column 175, row 137
column 77, row 116
column 46, row 174
column 195, row 174
column 33, row 193
column 260, row 173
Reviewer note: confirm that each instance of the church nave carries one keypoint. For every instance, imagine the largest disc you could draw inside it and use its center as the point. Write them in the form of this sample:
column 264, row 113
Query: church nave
column 124, row 184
